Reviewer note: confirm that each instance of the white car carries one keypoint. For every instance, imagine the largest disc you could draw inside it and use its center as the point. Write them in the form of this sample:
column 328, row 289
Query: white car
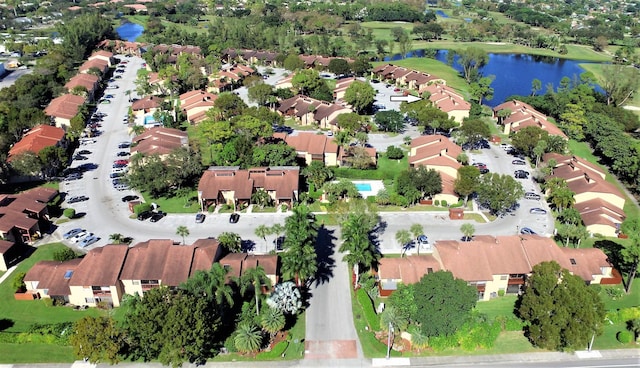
column 76, row 238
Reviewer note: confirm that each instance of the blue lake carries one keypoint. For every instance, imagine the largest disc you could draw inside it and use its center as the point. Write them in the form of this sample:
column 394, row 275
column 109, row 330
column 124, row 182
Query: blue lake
column 515, row 72
column 130, row 31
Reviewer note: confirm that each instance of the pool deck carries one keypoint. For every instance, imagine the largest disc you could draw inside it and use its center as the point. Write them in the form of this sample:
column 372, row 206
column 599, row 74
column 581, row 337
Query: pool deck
column 376, row 186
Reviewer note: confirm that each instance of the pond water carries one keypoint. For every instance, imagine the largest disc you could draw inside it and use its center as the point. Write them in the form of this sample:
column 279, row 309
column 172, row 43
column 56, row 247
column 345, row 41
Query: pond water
column 515, row 72
column 129, row 31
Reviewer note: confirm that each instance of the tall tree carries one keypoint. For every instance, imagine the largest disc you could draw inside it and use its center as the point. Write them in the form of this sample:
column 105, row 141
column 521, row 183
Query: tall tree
column 317, row 174
column 254, row 278
column 442, row 303
column 211, row 285
column 619, row 83
column 561, row 311
column 499, row 192
column 300, row 259
column 482, row 90
column 356, row 229
column 403, row 237
column 360, row 95
column 97, row 339
column 631, row 251
column 467, row 181
column 272, row 321
column 263, row 231
column 471, row 59
column 473, row 130
column 230, row 241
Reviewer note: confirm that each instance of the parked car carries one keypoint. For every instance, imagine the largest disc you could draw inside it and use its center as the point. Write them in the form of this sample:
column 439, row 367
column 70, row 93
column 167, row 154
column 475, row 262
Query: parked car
column 121, row 162
column 124, row 145
column 532, row 195
column 200, row 218
column 109, row 96
column 121, row 187
column 112, row 86
column 90, row 239
column 118, row 77
column 71, row 233
column 484, row 170
column 538, row 211
column 116, row 175
column 77, row 199
column 105, row 102
column 79, row 236
column 521, row 174
column 234, row 218
column 423, row 240
column 118, row 166
column 527, row 231
column 506, row 146
column 519, row 162
column 123, row 154
column 144, row 215
column 157, row 216
column 84, row 152
column 129, row 198
column 72, row 177
column 80, row 158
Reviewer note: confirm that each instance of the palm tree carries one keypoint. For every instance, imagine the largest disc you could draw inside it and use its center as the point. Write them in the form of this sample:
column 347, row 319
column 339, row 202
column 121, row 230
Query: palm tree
column 467, row 230
column 300, row 262
column 416, row 231
column 182, row 231
column 355, row 235
column 403, row 237
column 248, row 338
column 231, row 241
column 277, row 229
column 116, row 238
column 262, row 231
column 256, row 278
column 394, row 318
column 562, row 198
column 272, row 321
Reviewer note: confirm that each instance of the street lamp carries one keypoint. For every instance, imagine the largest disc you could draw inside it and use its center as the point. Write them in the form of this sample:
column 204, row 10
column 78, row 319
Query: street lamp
column 389, row 341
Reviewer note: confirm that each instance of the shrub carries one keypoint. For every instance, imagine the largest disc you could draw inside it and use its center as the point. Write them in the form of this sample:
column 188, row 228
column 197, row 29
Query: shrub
column 500, row 292
column 436, row 202
column 624, row 314
column 443, row 203
column 69, row 213
column 64, row 254
column 142, row 207
column 372, row 199
column 230, row 344
column 48, row 302
column 614, row 292
column 18, row 282
column 624, row 336
column 509, row 323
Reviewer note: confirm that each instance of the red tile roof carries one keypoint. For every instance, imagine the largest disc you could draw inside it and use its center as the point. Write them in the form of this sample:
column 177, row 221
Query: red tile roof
column 282, row 179
column 523, row 115
column 159, row 141
column 50, row 275
column 65, row 106
column 149, row 102
column 315, row 144
column 101, row 64
column 36, row 139
column 88, row 81
column 101, row 266
column 408, row 269
column 5, row 245
column 446, row 98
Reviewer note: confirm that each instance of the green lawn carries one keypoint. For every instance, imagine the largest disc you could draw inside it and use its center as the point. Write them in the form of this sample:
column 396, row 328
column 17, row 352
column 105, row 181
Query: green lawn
column 387, row 169
column 175, row 204
column 502, row 306
column 35, row 353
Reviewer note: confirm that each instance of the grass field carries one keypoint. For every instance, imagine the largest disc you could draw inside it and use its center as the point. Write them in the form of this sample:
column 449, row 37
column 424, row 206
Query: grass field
column 175, row 204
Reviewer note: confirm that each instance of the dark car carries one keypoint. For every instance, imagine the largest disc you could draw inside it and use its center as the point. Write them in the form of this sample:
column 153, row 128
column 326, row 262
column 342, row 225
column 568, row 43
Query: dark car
column 521, row 174
column 84, row 152
column 77, row 199
column 200, row 218
column 117, row 166
column 144, row 215
column 484, row 171
column 124, row 145
column 234, row 218
column 115, row 175
column 527, row 231
column 129, row 198
column 80, row 158
column 157, row 216
column 518, row 162
column 123, row 154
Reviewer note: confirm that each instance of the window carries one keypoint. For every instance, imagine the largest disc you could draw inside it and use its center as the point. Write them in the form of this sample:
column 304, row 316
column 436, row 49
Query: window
column 89, row 300
column 503, row 277
column 135, row 282
column 429, row 270
column 149, row 282
column 68, row 274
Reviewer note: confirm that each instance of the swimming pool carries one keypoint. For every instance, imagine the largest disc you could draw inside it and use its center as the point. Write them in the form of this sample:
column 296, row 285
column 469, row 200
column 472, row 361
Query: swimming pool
column 149, row 119
column 363, row 187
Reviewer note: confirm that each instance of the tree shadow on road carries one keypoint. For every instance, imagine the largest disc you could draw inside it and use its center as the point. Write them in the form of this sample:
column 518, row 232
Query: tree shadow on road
column 325, row 245
column 247, row 245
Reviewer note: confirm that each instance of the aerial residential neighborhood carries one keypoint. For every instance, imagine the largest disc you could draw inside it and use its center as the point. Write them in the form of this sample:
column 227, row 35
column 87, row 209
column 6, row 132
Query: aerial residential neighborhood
column 300, row 184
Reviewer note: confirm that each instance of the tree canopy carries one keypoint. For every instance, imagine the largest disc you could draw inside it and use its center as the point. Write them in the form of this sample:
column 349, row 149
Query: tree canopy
column 562, row 312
